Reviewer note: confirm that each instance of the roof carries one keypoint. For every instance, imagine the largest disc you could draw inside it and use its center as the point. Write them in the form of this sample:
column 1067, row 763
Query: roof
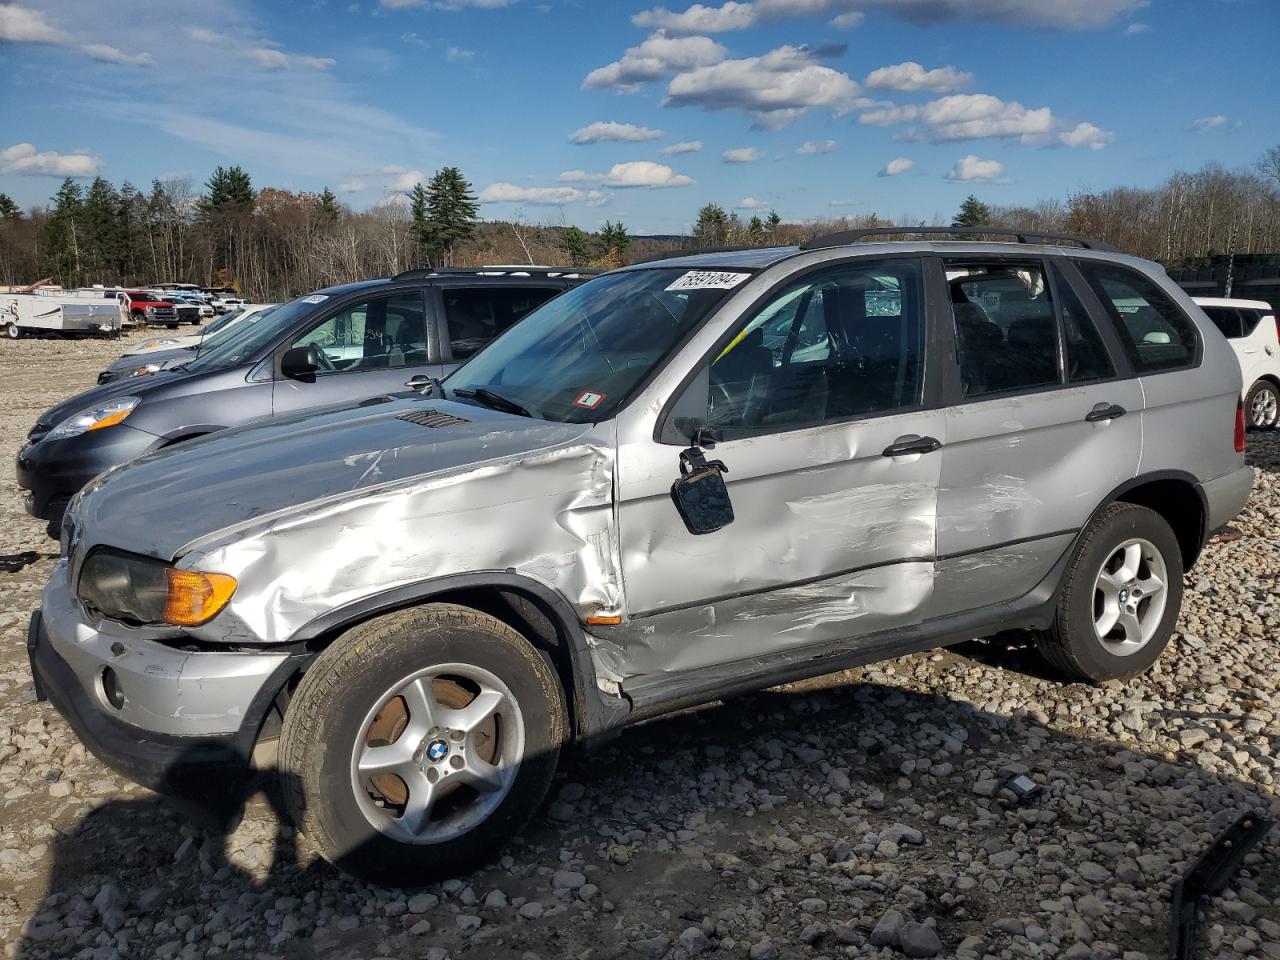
column 1232, row 302
column 752, row 258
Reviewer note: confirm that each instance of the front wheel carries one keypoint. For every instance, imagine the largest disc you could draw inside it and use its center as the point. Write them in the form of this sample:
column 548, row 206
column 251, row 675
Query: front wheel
column 1262, row 405
column 1120, row 596
column 419, row 743
column 12, row 331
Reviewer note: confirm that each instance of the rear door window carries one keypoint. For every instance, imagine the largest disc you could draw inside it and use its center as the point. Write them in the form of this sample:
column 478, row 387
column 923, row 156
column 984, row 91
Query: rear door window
column 476, row 315
column 1087, row 356
column 1154, row 331
column 1228, row 320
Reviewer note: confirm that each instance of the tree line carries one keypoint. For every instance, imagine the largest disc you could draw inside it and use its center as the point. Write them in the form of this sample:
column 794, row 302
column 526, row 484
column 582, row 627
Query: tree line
column 272, row 244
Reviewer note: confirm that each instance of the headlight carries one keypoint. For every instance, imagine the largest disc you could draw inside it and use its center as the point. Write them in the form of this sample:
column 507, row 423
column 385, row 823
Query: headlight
column 95, row 418
column 151, row 309
column 138, row 590
column 147, row 368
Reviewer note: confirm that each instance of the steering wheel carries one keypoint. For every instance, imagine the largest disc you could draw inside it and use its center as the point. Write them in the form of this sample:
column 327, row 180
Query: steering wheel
column 325, row 363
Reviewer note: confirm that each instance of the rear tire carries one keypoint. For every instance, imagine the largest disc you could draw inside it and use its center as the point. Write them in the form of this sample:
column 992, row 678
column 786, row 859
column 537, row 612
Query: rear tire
column 419, row 743
column 1120, row 596
column 1262, row 406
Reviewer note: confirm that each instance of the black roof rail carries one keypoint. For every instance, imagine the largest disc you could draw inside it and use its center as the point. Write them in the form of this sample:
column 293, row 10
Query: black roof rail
column 844, row 237
column 504, row 270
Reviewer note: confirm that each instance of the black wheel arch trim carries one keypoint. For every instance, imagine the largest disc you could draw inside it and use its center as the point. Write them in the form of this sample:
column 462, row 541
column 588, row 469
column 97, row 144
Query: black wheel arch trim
column 592, row 718
column 1155, row 476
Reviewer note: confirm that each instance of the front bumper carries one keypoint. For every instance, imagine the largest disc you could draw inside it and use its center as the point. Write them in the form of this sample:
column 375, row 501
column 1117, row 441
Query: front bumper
column 1226, row 496
column 53, row 471
column 185, row 716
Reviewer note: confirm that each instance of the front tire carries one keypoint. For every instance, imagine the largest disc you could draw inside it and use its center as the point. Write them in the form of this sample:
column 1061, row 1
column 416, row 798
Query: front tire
column 12, row 331
column 1120, row 596
column 1262, row 406
column 419, row 743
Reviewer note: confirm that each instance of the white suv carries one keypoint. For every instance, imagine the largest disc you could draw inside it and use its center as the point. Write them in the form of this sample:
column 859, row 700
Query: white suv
column 1251, row 328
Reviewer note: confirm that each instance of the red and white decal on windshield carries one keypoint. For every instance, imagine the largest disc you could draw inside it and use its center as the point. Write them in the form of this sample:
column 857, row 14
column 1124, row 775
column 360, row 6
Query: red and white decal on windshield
column 589, row 400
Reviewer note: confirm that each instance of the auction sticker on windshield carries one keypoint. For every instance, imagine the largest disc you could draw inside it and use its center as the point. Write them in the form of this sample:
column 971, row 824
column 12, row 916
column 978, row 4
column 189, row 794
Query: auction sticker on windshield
column 588, row 399
column 709, row 280
column 315, row 298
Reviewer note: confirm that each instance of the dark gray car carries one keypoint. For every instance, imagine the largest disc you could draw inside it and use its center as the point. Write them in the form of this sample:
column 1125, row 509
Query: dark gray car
column 330, row 347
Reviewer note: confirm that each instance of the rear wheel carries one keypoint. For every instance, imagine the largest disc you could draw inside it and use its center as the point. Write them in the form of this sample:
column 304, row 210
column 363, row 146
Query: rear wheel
column 419, row 743
column 1120, row 596
column 1262, row 405
column 12, row 331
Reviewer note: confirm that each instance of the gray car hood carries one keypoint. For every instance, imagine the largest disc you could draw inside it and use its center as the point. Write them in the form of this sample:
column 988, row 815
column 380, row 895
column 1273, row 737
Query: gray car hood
column 158, row 504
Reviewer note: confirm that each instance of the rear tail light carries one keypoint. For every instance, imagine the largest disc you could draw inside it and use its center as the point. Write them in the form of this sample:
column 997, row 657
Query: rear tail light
column 1240, row 432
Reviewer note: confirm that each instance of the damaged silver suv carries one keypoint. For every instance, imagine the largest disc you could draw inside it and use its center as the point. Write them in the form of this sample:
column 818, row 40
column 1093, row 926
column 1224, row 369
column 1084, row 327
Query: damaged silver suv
column 425, row 598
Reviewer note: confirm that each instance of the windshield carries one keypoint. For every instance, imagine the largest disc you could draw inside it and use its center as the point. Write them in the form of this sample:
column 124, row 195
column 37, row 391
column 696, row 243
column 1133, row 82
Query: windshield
column 243, row 340
column 213, row 326
column 577, row 358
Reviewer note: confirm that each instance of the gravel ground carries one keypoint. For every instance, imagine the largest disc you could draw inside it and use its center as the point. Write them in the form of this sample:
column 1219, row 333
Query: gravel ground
column 859, row 815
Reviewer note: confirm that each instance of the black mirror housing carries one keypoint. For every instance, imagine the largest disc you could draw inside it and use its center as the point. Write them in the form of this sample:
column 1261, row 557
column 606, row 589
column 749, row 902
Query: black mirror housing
column 300, row 363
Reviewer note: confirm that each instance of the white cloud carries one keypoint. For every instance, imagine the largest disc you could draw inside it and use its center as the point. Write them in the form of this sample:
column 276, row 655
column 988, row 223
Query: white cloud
column 18, row 24
column 109, row 54
column 687, row 146
column 458, row 54
column 911, row 76
column 352, row 186
column 23, row 158
column 539, row 196
column 657, row 57
column 970, row 169
column 896, row 166
column 848, row 21
column 610, row 130
column 751, row 203
column 268, row 58
column 1086, row 135
column 741, row 155
column 979, row 116
column 636, row 173
column 739, row 15
column 204, row 35
column 1133, row 29
column 774, row 89
column 1210, row 123
column 811, row 148
column 400, row 179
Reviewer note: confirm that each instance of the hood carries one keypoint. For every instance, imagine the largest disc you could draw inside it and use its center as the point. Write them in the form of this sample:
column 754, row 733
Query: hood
column 130, row 386
column 161, row 502
column 132, row 361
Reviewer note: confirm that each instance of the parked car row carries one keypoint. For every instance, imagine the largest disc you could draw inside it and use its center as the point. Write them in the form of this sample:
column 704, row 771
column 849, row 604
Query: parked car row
column 426, row 594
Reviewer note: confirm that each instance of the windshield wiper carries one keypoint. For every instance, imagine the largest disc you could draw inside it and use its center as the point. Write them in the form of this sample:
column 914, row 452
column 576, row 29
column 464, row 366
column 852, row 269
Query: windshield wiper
column 494, row 401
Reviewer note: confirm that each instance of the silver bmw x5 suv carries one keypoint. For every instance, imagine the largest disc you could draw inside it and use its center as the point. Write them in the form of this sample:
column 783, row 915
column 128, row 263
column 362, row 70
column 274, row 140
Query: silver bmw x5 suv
column 680, row 481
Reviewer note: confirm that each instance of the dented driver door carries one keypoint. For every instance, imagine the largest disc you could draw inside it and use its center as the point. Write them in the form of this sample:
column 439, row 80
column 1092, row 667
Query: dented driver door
column 833, row 466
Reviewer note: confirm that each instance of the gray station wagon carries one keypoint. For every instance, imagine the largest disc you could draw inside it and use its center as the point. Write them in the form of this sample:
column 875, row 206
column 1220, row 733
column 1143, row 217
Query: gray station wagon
column 677, row 482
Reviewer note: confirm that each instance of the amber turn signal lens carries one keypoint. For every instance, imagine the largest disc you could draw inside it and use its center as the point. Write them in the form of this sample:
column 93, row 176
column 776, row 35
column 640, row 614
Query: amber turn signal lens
column 194, row 597
column 112, row 420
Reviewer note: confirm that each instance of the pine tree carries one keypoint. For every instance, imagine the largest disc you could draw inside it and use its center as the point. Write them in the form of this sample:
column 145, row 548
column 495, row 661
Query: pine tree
column 773, row 223
column 973, row 213
column 104, row 237
column 229, row 190
column 451, row 213
column 576, row 245
column 327, row 207
column 756, row 231
column 420, row 217
column 614, row 238
column 711, row 227
column 9, row 211
column 60, row 237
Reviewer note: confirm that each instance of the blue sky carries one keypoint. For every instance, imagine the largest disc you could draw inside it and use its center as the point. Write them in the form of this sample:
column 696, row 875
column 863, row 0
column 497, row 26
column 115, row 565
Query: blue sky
column 815, row 108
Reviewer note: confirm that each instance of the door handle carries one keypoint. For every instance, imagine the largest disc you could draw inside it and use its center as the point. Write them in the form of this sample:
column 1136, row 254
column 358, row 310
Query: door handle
column 1105, row 411
column 417, row 382
column 909, row 445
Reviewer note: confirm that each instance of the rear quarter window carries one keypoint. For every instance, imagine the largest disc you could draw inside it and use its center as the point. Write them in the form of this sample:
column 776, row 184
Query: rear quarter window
column 1226, row 319
column 1156, row 334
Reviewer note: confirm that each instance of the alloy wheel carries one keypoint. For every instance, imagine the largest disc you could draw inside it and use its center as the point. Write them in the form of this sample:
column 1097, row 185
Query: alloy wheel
column 1129, row 597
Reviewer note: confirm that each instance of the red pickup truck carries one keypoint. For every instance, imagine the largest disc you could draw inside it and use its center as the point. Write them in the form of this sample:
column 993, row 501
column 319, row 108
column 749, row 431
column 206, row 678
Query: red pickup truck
column 145, row 308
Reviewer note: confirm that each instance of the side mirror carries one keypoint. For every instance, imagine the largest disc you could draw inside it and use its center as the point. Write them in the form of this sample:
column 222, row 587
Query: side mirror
column 300, row 363
column 700, row 495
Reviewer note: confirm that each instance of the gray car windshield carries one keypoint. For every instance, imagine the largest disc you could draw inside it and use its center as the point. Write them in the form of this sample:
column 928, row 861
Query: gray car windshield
column 243, row 341
column 577, row 358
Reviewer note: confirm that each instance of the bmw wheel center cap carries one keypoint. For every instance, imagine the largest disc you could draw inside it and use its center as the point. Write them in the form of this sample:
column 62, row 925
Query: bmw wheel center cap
column 437, row 750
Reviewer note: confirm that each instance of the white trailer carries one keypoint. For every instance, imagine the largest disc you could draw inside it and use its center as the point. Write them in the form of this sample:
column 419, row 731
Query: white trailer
column 69, row 315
